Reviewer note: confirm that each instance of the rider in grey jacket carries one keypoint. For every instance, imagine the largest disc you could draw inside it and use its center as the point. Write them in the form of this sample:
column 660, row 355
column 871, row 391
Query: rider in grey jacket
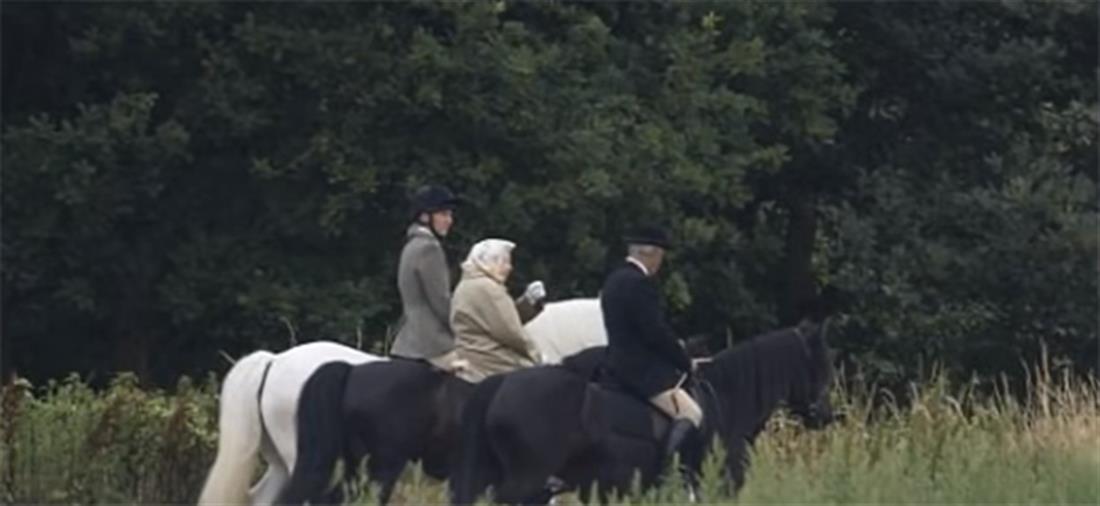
column 425, row 282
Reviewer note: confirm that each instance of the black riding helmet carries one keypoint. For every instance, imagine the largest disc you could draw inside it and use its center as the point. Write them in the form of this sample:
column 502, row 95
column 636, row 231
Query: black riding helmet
column 651, row 235
column 430, row 199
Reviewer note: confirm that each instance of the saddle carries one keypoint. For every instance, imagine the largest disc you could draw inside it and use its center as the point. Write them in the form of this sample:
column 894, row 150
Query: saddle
column 628, row 414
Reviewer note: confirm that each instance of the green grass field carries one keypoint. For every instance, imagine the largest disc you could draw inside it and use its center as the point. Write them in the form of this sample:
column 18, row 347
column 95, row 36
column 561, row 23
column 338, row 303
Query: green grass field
column 946, row 446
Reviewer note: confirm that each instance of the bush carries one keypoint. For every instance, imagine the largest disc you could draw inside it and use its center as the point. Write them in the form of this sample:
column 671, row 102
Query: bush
column 947, row 443
column 72, row 444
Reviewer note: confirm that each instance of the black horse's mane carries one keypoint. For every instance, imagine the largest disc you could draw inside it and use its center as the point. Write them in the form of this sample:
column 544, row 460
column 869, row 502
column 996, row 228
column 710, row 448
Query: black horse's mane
column 751, row 376
column 781, row 345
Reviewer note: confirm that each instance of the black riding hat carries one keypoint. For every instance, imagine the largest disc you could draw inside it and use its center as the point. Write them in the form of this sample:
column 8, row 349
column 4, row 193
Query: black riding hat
column 433, row 198
column 651, row 235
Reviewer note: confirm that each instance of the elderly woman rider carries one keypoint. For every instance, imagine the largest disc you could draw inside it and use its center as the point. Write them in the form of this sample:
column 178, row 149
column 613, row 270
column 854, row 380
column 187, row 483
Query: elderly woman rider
column 487, row 323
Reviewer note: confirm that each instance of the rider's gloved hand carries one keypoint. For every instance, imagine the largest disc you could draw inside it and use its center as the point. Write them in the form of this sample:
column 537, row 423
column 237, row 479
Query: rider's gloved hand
column 459, row 365
column 535, row 292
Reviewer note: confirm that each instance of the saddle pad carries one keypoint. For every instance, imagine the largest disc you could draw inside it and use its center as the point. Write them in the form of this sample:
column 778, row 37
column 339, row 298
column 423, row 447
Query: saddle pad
column 630, row 416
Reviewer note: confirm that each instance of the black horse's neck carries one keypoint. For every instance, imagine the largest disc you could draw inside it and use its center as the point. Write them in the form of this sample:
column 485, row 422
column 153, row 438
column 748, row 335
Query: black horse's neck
column 749, row 380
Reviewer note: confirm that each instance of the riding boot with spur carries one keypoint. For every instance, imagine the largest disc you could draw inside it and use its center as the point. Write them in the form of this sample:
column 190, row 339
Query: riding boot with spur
column 680, row 429
column 692, row 450
column 685, row 438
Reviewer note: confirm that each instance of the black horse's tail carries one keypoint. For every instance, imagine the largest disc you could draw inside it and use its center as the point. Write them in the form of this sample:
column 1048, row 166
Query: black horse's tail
column 475, row 467
column 320, row 436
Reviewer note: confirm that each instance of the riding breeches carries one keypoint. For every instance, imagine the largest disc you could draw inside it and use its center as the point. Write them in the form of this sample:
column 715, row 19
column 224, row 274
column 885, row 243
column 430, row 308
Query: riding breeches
column 677, row 403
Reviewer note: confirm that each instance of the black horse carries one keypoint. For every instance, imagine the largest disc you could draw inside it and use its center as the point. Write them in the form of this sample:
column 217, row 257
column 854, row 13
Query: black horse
column 390, row 412
column 521, row 428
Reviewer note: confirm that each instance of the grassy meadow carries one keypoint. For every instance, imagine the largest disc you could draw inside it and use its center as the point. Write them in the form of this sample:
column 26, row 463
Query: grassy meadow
column 65, row 443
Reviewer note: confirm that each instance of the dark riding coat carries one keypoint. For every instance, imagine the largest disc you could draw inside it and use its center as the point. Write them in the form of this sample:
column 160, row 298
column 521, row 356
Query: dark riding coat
column 642, row 351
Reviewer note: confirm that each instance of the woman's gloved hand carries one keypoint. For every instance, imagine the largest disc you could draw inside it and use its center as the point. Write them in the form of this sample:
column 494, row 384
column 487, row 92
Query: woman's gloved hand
column 535, row 292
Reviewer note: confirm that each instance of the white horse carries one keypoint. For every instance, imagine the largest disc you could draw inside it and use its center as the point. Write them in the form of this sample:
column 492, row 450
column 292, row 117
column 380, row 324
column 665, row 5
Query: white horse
column 257, row 414
column 258, row 406
column 566, row 328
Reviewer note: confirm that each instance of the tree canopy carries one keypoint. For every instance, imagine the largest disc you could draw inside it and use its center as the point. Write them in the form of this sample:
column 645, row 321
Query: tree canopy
column 181, row 179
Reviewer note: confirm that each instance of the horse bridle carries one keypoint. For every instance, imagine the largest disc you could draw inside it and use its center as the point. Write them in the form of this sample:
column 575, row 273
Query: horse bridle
column 797, row 329
column 813, row 409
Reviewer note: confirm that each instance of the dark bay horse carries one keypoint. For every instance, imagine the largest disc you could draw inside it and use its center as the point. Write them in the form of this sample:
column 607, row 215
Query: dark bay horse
column 391, row 413
column 521, row 428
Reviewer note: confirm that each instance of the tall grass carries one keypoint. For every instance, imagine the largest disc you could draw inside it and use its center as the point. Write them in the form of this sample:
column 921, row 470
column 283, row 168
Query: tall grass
column 947, row 444
column 70, row 444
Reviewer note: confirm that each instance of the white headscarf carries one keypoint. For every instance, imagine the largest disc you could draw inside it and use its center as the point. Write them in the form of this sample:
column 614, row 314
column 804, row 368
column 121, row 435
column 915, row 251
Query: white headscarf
column 488, row 255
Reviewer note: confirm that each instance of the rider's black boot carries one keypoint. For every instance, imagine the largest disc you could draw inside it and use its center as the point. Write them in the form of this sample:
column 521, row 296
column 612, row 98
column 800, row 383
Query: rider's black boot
column 676, row 435
column 685, row 438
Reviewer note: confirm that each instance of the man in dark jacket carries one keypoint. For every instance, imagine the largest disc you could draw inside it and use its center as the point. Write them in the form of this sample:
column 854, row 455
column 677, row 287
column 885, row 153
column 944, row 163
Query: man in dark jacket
column 642, row 351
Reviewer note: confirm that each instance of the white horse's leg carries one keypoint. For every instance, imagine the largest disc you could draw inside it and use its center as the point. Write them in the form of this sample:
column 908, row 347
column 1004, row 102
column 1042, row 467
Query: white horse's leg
column 266, row 491
column 278, row 409
column 239, row 432
column 281, row 416
column 284, row 387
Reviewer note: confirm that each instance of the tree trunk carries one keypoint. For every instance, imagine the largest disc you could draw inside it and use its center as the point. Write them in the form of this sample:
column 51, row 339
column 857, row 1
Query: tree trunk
column 798, row 281
column 132, row 352
column 7, row 365
column 132, row 330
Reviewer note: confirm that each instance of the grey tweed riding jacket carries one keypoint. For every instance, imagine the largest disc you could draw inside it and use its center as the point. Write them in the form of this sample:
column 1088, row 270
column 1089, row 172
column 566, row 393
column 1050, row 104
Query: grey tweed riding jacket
column 425, row 286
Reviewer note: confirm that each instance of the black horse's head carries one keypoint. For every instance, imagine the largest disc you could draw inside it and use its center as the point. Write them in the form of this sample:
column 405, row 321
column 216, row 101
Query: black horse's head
column 809, row 395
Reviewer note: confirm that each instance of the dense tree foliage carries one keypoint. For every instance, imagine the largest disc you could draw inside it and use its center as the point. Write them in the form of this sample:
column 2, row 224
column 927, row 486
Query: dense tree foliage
column 181, row 179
